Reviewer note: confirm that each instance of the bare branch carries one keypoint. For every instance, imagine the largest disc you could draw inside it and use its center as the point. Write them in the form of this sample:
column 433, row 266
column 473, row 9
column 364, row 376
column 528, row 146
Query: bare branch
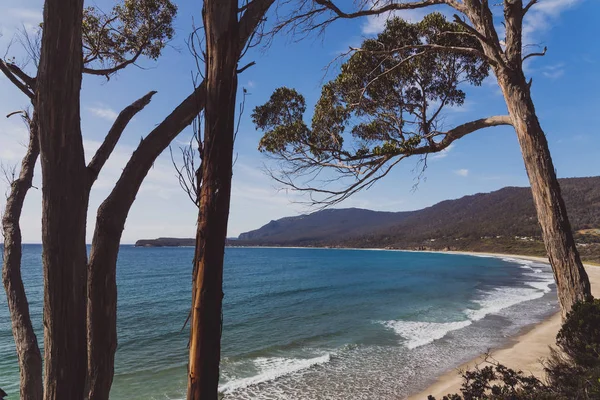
column 387, row 8
column 107, row 72
column 245, row 67
column 364, row 170
column 529, row 5
column 9, row 70
column 539, row 54
column 115, row 132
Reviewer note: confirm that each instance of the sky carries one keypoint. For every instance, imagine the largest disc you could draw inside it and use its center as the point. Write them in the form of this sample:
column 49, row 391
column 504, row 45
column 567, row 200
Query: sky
column 566, row 92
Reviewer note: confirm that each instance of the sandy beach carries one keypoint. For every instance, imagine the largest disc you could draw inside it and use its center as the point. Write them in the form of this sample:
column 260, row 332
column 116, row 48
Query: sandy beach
column 524, row 352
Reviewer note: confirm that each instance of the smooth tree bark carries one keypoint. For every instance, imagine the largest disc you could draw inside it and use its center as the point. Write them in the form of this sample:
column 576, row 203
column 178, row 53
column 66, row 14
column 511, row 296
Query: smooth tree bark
column 112, row 215
column 102, row 288
column 64, row 200
column 572, row 281
column 28, row 351
column 222, row 54
column 506, row 60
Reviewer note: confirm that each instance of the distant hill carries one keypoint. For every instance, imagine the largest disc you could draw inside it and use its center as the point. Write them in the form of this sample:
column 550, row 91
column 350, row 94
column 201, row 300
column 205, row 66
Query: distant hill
column 165, row 242
column 324, row 225
column 503, row 220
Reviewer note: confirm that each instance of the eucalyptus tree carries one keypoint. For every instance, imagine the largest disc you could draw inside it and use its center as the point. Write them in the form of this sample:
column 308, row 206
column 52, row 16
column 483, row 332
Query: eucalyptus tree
column 74, row 41
column 105, row 53
column 505, row 56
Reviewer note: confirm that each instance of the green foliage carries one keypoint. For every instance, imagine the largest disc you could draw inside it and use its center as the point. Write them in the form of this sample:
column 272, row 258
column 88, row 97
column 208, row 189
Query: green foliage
column 573, row 371
column 386, row 102
column 497, row 382
column 579, row 337
column 131, row 29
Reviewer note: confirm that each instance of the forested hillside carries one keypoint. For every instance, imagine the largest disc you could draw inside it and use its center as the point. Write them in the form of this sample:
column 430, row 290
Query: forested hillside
column 504, row 220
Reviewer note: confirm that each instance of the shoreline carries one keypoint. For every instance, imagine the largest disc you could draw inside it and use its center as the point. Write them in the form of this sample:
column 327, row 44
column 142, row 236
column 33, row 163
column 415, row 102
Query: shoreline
column 524, row 351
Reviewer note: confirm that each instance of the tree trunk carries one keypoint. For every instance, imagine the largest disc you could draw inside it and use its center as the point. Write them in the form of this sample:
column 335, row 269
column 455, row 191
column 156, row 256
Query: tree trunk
column 112, row 215
column 64, row 200
column 28, row 351
column 571, row 278
column 222, row 53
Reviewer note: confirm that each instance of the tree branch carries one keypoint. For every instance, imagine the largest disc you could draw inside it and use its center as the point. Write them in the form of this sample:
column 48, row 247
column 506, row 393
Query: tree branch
column 436, row 47
column 389, row 7
column 115, row 132
column 463, row 130
column 28, row 352
column 7, row 70
column 364, row 169
column 539, row 54
column 107, row 72
column 529, row 5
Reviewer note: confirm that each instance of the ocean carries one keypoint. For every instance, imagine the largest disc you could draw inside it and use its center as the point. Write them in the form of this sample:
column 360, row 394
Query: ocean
column 308, row 323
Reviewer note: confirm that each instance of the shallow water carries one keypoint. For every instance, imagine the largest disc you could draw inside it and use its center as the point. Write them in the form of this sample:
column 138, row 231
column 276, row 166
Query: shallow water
column 309, row 323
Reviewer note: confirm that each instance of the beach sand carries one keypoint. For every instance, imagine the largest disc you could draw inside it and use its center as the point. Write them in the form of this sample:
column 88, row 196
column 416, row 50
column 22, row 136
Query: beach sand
column 524, row 352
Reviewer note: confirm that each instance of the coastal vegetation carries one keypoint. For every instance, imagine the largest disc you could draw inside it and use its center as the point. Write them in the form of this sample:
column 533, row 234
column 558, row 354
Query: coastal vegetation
column 384, row 105
column 398, row 83
column 572, row 370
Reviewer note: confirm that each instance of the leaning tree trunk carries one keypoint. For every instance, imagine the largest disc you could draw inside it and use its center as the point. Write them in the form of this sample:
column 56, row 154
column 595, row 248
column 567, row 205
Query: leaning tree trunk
column 222, row 53
column 28, row 351
column 112, row 215
column 571, row 278
column 65, row 192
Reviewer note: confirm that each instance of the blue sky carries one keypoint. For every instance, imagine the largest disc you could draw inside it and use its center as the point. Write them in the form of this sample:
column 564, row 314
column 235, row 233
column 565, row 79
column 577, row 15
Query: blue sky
column 566, row 90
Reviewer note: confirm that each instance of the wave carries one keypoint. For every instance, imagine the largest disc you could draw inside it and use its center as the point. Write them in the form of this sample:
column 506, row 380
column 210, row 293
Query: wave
column 421, row 333
column 490, row 302
column 500, row 298
column 271, row 368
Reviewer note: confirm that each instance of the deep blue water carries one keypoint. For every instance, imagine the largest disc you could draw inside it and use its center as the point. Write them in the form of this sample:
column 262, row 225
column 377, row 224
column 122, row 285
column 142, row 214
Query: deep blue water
column 308, row 323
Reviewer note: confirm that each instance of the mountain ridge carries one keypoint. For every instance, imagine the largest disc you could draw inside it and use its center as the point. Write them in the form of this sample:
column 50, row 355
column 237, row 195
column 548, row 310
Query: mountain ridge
column 503, row 220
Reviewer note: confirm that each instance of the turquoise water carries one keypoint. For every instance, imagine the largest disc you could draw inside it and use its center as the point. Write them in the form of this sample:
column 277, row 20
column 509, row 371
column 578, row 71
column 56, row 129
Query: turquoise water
column 309, row 323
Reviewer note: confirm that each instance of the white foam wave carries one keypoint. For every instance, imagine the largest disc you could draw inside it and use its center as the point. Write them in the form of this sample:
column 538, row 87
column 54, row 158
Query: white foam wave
column 271, row 368
column 503, row 297
column 421, row 333
column 491, row 302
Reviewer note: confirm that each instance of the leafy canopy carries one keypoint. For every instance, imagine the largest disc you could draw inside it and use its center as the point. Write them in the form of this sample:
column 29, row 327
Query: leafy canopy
column 388, row 96
column 386, row 103
column 132, row 28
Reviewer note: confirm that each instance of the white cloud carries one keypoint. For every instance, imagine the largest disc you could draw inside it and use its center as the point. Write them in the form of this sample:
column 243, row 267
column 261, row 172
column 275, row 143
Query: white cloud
column 553, row 71
column 251, row 84
column 542, row 16
column 443, row 153
column 104, row 112
column 14, row 19
column 376, row 23
column 462, row 172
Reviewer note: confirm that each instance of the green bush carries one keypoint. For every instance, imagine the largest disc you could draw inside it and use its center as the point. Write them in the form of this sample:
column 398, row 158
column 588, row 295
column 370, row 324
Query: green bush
column 572, row 371
column 579, row 337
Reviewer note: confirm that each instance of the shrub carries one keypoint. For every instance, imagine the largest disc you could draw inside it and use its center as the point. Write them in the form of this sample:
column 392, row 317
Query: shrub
column 573, row 369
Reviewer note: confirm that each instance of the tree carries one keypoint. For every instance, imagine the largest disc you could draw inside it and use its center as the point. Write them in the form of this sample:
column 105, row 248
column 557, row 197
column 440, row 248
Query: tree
column 223, row 51
column 112, row 214
column 505, row 58
column 28, row 351
column 136, row 26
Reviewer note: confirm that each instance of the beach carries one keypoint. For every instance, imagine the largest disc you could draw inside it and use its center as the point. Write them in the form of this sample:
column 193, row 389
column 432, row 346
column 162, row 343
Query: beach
column 524, row 352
